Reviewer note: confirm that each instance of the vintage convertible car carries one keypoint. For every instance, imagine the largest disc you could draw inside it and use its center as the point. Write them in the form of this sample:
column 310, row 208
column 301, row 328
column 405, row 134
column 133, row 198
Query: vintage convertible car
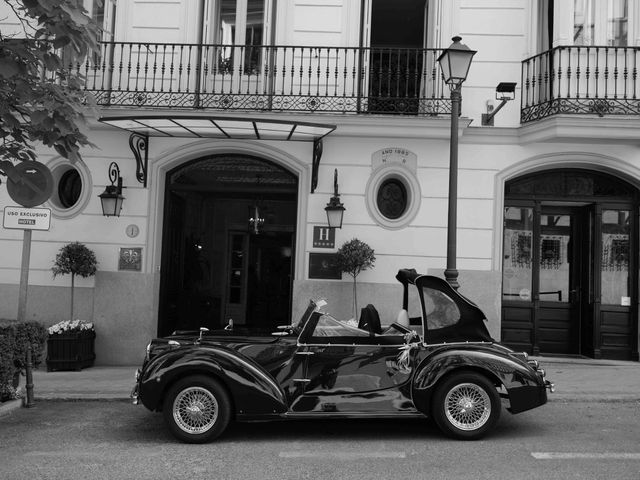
column 436, row 359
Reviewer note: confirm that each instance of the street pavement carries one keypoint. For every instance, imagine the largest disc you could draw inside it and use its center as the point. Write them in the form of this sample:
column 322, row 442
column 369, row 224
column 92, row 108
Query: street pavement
column 575, row 379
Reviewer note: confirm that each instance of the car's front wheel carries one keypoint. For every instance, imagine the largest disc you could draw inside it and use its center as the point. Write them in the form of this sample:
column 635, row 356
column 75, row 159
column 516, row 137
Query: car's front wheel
column 197, row 409
column 466, row 406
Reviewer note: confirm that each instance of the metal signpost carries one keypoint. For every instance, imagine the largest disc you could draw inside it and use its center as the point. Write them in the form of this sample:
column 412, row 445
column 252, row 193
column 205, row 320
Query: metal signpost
column 29, row 184
column 26, row 219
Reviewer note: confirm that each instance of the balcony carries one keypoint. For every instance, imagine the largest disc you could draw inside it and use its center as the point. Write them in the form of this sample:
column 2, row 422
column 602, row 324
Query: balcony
column 267, row 78
column 580, row 81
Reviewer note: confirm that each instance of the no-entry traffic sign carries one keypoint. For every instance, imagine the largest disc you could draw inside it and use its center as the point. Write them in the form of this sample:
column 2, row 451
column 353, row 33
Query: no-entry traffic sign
column 27, row 218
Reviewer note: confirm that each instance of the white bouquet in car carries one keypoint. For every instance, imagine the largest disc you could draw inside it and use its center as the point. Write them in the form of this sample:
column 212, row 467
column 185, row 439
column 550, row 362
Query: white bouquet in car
column 70, row 326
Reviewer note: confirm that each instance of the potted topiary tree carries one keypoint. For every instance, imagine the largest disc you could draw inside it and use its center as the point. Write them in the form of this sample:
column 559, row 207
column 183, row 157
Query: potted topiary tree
column 354, row 257
column 70, row 345
column 74, row 258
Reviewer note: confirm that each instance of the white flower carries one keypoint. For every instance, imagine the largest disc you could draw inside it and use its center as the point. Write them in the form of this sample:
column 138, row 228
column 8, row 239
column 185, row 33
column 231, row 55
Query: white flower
column 70, row 326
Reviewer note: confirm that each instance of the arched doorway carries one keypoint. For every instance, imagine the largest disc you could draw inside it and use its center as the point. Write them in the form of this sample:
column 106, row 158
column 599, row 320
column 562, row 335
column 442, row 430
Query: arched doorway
column 228, row 244
column 570, row 264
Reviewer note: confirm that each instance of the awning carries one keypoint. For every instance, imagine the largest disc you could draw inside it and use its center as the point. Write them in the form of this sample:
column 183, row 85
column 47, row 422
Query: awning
column 193, row 126
column 142, row 127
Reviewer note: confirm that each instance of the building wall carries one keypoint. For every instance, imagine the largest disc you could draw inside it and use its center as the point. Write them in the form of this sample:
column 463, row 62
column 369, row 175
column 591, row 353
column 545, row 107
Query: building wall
column 124, row 304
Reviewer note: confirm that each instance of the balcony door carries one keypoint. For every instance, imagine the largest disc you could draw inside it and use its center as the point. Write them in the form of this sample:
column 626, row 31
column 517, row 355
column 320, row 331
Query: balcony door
column 396, row 33
column 237, row 33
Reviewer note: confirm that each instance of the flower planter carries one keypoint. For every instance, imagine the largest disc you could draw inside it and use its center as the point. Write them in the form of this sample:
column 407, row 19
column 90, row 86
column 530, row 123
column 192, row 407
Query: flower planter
column 70, row 351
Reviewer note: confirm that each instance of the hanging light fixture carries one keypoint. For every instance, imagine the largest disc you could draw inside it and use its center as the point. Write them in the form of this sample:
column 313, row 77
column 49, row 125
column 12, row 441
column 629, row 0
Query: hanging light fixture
column 335, row 209
column 255, row 220
column 112, row 198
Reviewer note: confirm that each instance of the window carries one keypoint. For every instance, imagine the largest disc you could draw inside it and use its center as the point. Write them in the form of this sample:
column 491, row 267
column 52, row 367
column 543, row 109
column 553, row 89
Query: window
column 104, row 14
column 393, row 196
column 601, row 22
column 440, row 309
column 69, row 188
column 72, row 188
column 242, row 24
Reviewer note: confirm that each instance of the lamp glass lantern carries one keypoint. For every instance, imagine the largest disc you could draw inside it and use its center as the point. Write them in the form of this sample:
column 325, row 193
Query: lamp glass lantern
column 455, row 62
column 335, row 209
column 112, row 199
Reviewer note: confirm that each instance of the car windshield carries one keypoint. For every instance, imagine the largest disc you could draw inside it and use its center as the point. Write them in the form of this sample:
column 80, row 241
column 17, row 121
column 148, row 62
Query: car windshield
column 329, row 326
column 313, row 306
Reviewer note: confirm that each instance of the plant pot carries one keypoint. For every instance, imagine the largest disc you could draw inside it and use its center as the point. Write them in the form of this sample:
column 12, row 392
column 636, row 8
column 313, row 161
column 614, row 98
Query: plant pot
column 71, row 351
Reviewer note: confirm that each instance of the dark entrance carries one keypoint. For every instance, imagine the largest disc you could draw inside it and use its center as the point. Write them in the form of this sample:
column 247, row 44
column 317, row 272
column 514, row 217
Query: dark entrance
column 570, row 275
column 228, row 244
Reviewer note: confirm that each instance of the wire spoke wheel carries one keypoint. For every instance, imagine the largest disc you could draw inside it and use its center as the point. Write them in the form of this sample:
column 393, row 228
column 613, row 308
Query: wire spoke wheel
column 467, row 406
column 195, row 410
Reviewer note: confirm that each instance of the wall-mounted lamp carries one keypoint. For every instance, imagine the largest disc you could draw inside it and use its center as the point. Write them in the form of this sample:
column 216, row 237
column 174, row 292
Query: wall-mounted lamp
column 335, row 209
column 112, row 198
column 505, row 91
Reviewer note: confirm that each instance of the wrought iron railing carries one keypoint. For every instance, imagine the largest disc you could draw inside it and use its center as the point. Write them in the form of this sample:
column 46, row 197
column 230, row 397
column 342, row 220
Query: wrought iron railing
column 581, row 80
column 267, row 78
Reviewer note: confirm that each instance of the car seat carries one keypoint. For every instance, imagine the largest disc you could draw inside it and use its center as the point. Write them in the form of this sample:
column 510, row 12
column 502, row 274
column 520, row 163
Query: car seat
column 370, row 320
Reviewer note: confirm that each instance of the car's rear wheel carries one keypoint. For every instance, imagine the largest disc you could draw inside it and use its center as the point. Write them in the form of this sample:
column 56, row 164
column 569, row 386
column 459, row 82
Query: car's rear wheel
column 466, row 406
column 197, row 409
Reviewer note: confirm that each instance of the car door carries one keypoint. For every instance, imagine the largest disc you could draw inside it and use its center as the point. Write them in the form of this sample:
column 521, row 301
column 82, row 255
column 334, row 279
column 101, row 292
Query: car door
column 350, row 371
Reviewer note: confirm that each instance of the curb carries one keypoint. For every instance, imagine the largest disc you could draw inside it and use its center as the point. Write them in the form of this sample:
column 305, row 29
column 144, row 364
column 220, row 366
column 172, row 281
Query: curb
column 8, row 407
column 82, row 397
column 592, row 398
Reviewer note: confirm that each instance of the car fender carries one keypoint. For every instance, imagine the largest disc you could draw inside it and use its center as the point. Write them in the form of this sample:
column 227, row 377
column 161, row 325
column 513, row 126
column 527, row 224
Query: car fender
column 252, row 389
column 524, row 389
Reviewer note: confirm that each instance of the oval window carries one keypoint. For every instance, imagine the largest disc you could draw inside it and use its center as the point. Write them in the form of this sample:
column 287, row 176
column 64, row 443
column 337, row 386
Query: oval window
column 392, row 198
column 73, row 185
column 69, row 188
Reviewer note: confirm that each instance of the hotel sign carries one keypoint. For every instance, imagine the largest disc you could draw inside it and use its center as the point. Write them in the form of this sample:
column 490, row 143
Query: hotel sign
column 27, row 218
column 324, row 237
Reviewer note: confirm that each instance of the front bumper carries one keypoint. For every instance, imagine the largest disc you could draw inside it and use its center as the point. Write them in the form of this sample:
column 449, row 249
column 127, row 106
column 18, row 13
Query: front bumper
column 542, row 374
column 135, row 392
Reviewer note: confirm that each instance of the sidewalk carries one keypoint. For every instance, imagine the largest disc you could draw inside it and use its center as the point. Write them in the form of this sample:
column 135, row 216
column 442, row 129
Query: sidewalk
column 584, row 379
column 575, row 379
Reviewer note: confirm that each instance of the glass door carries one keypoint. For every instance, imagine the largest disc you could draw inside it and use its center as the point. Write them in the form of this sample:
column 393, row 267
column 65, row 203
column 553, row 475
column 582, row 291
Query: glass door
column 559, row 280
column 545, row 272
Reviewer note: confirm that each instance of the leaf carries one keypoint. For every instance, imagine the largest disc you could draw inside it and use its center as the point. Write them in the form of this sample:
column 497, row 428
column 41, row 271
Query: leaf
column 9, row 67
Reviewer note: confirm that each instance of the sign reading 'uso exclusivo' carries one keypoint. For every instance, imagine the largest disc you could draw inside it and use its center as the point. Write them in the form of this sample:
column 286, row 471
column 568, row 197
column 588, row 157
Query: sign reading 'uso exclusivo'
column 27, row 218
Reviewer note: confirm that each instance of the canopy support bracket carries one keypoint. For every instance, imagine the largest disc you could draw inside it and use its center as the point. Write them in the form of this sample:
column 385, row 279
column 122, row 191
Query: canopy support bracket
column 139, row 146
column 315, row 162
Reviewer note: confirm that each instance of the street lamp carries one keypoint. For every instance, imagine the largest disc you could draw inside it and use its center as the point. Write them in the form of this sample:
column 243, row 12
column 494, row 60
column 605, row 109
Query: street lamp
column 454, row 63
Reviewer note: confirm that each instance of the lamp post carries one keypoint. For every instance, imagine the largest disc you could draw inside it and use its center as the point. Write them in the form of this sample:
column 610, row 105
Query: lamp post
column 454, row 63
